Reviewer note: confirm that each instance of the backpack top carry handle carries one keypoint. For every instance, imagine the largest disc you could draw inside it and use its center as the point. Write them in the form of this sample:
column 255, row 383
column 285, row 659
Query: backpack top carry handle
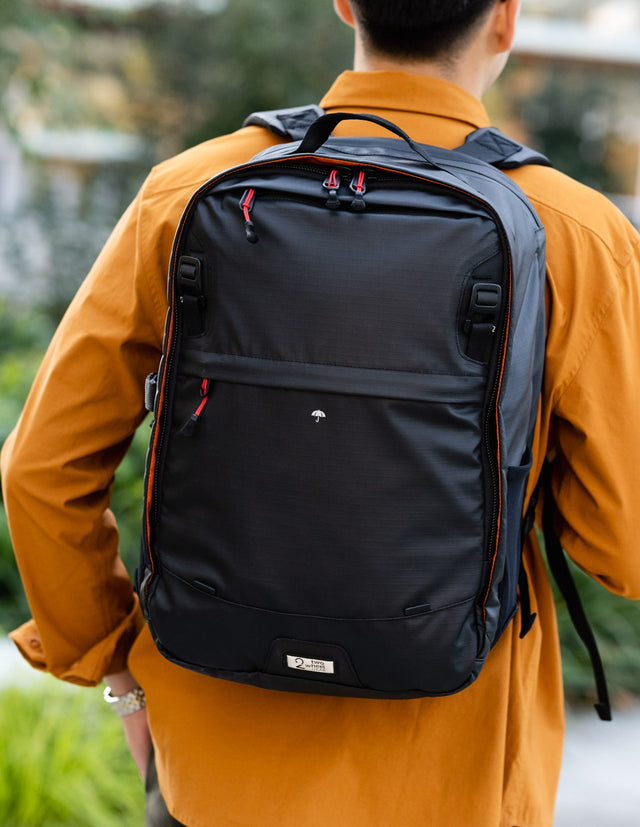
column 319, row 131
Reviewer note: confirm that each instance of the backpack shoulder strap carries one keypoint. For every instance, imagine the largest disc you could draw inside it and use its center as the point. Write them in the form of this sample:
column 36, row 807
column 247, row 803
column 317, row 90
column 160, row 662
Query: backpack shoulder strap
column 563, row 577
column 488, row 144
column 491, row 146
column 289, row 123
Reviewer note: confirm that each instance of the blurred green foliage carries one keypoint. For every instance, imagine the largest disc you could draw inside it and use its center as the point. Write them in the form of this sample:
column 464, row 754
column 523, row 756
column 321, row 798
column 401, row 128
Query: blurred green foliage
column 251, row 56
column 575, row 116
column 171, row 73
column 126, row 498
column 77, row 772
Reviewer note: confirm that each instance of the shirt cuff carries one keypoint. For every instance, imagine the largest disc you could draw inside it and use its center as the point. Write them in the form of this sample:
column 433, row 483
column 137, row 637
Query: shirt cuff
column 107, row 657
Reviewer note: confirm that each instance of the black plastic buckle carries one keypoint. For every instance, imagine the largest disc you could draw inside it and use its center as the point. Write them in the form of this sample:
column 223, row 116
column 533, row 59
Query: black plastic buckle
column 192, row 295
column 482, row 318
column 486, row 299
column 189, row 273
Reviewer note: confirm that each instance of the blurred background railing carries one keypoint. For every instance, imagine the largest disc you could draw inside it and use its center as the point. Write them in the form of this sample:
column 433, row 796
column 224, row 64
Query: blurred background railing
column 94, row 92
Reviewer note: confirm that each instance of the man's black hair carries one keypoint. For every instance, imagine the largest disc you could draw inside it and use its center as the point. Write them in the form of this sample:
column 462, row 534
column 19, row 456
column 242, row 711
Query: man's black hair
column 418, row 29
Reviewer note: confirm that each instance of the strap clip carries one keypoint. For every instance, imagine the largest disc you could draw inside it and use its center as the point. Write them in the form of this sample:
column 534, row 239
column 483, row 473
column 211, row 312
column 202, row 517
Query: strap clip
column 189, row 274
column 486, row 298
column 192, row 295
column 482, row 317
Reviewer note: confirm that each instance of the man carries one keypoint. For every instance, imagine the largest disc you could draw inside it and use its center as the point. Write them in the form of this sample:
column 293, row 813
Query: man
column 228, row 754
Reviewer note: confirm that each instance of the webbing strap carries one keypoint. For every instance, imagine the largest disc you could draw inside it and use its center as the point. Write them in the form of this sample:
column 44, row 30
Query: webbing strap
column 527, row 617
column 487, row 144
column 563, row 577
column 291, row 123
column 491, row 146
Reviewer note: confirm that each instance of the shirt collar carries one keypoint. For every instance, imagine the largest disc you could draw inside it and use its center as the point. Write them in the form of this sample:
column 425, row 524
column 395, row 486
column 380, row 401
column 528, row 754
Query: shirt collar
column 406, row 92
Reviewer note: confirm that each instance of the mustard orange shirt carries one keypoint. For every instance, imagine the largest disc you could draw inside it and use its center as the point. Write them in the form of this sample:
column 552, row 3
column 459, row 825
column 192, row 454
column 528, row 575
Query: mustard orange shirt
column 230, row 755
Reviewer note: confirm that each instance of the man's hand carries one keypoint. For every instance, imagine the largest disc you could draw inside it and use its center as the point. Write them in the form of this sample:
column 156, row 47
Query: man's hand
column 136, row 727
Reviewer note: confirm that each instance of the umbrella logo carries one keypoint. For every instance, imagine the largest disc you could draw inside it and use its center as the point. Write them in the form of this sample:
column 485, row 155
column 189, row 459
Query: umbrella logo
column 319, row 415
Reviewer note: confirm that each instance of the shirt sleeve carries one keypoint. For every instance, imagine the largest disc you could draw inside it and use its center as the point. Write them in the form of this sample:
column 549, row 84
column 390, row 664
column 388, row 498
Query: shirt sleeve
column 58, row 465
column 595, row 413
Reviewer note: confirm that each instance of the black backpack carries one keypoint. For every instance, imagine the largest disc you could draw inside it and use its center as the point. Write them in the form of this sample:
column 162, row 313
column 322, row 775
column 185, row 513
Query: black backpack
column 344, row 414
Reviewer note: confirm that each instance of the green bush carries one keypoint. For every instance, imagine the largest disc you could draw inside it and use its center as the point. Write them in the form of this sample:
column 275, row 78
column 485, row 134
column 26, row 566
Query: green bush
column 126, row 497
column 64, row 761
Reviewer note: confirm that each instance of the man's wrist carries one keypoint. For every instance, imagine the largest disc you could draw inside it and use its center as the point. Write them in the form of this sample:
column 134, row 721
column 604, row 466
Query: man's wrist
column 121, row 682
column 132, row 701
column 123, row 693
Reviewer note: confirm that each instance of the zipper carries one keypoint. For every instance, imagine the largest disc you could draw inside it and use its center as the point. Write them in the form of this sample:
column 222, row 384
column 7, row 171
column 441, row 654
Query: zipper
column 491, row 417
column 158, row 450
column 268, row 195
column 189, row 426
column 246, row 205
column 358, row 186
column 332, row 184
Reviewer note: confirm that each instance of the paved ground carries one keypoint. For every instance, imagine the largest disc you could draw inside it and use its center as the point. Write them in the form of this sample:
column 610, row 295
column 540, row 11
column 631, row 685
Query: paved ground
column 600, row 783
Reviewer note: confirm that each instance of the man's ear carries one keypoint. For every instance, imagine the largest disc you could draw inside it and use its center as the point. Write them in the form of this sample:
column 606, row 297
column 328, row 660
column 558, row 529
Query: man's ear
column 505, row 16
column 344, row 12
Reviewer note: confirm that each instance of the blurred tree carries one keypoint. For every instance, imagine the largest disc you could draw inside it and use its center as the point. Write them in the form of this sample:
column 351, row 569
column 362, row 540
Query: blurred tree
column 572, row 114
column 251, row 56
column 171, row 73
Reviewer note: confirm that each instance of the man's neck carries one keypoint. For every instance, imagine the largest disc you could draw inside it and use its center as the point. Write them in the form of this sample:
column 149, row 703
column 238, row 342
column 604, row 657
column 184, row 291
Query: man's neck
column 463, row 73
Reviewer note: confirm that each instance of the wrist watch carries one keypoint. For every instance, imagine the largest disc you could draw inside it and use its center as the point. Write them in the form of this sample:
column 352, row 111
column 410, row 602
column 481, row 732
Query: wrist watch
column 126, row 704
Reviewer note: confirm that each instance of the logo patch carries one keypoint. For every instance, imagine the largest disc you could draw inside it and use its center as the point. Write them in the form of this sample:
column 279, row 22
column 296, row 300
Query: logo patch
column 319, row 415
column 310, row 664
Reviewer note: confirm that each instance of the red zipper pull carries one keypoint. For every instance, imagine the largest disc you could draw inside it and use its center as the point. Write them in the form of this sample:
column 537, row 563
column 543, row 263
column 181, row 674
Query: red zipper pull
column 246, row 205
column 332, row 183
column 189, row 426
column 358, row 186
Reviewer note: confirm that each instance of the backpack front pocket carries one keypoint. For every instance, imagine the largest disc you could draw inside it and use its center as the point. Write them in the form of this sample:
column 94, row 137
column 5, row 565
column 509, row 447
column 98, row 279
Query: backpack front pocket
column 292, row 494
